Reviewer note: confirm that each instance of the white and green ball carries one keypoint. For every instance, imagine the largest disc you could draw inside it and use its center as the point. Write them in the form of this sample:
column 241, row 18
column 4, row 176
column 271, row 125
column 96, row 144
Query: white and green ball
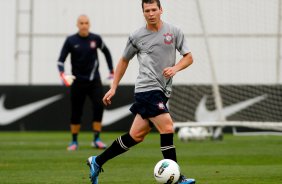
column 166, row 171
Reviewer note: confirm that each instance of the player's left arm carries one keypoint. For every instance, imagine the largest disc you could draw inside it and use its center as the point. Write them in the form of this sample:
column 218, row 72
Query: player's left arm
column 184, row 62
column 108, row 56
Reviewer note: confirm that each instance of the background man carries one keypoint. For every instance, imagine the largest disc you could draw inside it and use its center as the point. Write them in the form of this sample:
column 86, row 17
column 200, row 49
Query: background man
column 83, row 48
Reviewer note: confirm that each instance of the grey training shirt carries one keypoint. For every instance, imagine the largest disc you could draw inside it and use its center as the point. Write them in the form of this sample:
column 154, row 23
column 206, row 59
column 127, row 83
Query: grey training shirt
column 155, row 51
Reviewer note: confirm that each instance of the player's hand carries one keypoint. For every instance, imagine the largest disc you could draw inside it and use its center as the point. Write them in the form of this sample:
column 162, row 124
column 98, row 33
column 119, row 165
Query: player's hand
column 169, row 72
column 108, row 96
column 67, row 79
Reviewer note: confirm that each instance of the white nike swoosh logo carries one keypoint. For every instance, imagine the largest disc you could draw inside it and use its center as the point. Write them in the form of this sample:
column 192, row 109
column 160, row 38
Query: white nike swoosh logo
column 112, row 116
column 202, row 114
column 9, row 116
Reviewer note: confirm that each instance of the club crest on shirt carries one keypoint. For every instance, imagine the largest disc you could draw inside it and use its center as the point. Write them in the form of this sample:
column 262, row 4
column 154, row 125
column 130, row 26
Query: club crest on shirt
column 168, row 38
column 92, row 44
column 161, row 105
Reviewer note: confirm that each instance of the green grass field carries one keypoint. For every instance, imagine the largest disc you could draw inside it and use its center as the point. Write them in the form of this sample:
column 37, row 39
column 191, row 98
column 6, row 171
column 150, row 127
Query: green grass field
column 41, row 157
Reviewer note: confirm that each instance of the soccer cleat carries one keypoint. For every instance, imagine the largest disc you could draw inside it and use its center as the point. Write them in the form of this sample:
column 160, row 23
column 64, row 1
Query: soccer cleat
column 95, row 169
column 184, row 180
column 99, row 144
column 73, row 146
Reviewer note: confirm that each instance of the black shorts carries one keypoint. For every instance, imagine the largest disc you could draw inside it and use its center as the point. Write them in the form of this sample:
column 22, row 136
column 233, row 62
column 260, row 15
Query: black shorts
column 149, row 104
column 80, row 90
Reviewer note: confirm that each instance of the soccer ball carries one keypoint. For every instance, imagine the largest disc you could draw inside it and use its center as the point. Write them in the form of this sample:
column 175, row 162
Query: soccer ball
column 192, row 133
column 167, row 171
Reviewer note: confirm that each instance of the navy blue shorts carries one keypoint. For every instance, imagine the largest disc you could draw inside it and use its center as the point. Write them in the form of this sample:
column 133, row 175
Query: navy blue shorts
column 149, row 104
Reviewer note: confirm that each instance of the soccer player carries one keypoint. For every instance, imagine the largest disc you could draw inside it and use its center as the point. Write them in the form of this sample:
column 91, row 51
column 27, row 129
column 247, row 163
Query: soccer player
column 83, row 48
column 155, row 45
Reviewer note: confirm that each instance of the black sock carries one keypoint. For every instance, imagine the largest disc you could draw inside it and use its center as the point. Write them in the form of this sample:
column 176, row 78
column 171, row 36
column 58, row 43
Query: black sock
column 167, row 147
column 119, row 146
column 74, row 137
column 96, row 135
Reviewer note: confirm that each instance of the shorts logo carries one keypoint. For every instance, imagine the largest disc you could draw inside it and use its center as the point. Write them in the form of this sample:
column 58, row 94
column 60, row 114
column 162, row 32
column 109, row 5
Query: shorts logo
column 161, row 105
column 168, row 38
column 92, row 44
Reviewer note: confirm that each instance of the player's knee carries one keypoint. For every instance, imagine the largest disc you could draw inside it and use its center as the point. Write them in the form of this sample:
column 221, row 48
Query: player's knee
column 166, row 129
column 138, row 136
column 139, row 139
column 75, row 119
column 75, row 122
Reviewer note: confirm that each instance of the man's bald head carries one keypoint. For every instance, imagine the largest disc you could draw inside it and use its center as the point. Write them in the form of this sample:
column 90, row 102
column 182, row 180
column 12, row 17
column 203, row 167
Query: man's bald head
column 83, row 25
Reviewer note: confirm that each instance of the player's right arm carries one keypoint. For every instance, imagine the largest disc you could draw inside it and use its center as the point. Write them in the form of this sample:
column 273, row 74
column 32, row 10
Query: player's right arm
column 128, row 53
column 119, row 72
column 62, row 58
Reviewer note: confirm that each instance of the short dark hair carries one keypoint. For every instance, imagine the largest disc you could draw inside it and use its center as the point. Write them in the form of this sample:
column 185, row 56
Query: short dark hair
column 151, row 2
